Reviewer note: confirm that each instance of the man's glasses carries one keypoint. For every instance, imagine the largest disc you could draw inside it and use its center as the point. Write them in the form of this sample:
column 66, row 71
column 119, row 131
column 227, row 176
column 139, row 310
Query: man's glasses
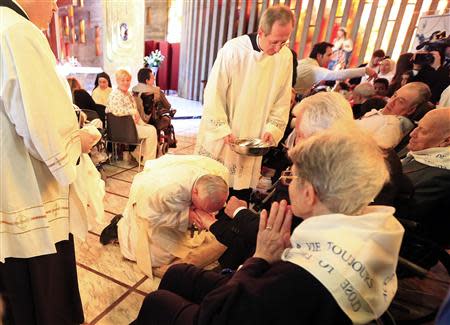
column 287, row 177
column 280, row 44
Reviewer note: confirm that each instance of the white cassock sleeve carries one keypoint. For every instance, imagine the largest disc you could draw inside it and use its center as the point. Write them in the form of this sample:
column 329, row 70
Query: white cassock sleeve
column 163, row 208
column 215, row 99
column 279, row 113
column 37, row 104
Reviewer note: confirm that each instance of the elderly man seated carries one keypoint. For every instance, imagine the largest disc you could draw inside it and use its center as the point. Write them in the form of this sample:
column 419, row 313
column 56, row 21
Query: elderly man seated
column 337, row 267
column 237, row 230
column 427, row 165
column 392, row 123
column 165, row 198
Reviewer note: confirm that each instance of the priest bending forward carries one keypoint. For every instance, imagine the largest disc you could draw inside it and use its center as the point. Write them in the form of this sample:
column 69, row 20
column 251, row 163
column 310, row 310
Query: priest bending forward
column 165, row 198
column 248, row 95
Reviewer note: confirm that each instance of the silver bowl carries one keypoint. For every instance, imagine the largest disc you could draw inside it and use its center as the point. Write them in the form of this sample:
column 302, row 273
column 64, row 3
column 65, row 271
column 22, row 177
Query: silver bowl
column 250, row 147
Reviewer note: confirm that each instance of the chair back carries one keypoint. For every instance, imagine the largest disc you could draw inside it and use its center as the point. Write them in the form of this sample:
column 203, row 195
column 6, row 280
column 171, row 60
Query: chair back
column 121, row 129
column 91, row 115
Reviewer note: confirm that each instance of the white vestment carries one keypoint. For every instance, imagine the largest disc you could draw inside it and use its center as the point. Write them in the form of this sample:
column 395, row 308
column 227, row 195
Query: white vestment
column 153, row 230
column 248, row 93
column 39, row 144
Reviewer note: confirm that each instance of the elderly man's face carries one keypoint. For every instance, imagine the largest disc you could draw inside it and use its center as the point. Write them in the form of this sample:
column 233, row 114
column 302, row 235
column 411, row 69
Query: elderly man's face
column 279, row 36
column 426, row 135
column 402, row 103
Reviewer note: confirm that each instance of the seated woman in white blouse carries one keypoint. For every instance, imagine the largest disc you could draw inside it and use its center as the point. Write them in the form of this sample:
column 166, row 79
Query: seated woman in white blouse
column 121, row 103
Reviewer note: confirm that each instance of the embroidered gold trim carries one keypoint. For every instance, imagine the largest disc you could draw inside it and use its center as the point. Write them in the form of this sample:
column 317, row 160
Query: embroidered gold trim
column 39, row 228
column 37, row 206
column 68, row 140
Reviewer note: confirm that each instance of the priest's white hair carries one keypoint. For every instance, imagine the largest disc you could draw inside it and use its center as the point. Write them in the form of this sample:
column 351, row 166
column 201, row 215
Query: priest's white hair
column 347, row 170
column 279, row 13
column 322, row 111
column 212, row 187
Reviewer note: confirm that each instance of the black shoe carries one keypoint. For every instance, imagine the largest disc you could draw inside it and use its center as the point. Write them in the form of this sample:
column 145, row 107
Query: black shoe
column 109, row 234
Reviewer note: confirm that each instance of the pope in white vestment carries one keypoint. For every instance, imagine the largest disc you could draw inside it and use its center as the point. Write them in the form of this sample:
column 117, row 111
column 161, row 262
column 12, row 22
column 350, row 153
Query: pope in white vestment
column 248, row 94
column 153, row 230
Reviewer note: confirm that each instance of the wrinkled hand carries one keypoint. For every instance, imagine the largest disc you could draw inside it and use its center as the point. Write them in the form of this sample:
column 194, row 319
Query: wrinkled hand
column 194, row 218
column 268, row 137
column 200, row 218
column 206, row 219
column 232, row 204
column 274, row 232
column 229, row 139
column 88, row 140
column 371, row 73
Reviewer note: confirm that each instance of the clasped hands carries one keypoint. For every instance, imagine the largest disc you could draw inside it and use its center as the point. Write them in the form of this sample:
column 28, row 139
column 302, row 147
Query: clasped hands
column 274, row 232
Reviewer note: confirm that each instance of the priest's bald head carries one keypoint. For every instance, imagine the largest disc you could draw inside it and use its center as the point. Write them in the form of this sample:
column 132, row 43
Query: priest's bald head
column 40, row 12
column 209, row 193
column 275, row 27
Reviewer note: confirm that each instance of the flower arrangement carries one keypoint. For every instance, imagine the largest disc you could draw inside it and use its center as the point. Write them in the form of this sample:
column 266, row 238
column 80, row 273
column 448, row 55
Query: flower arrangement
column 154, row 59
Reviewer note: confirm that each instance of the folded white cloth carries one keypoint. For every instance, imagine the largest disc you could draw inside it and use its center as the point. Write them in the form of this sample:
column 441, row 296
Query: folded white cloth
column 354, row 257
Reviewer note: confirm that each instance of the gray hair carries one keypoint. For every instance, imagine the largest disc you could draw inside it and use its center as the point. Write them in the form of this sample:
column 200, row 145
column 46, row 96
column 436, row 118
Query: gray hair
column 321, row 111
column 423, row 91
column 347, row 171
column 280, row 13
column 212, row 187
column 365, row 90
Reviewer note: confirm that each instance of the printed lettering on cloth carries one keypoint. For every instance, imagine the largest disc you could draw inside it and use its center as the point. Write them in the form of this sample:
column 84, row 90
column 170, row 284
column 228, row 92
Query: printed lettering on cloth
column 434, row 157
column 354, row 257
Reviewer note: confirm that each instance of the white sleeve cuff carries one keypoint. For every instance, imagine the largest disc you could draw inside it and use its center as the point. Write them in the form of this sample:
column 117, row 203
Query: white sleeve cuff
column 237, row 211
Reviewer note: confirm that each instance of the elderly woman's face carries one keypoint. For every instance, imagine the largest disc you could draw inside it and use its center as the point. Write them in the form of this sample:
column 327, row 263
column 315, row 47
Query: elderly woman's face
column 123, row 83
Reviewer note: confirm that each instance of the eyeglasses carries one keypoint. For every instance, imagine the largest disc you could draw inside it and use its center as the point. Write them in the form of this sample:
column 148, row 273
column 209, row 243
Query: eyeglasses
column 287, row 177
column 280, row 44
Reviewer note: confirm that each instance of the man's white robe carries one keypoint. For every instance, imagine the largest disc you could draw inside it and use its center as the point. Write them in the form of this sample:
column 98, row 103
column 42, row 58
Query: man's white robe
column 153, row 230
column 39, row 143
column 248, row 93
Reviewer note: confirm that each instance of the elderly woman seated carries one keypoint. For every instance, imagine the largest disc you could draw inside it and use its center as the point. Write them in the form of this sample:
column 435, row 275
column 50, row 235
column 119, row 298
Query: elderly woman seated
column 121, row 103
column 338, row 266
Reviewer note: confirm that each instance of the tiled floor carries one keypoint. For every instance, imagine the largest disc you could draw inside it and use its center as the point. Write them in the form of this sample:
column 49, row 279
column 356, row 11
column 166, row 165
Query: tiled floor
column 112, row 288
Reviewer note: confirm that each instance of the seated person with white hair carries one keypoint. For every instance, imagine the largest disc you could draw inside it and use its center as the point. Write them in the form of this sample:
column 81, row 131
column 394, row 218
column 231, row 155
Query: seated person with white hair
column 337, row 267
column 237, row 229
column 392, row 123
column 427, row 165
column 361, row 93
column 165, row 199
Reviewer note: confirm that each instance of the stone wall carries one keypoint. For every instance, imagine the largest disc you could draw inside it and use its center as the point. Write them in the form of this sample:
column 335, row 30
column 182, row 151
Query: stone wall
column 156, row 19
column 123, row 36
